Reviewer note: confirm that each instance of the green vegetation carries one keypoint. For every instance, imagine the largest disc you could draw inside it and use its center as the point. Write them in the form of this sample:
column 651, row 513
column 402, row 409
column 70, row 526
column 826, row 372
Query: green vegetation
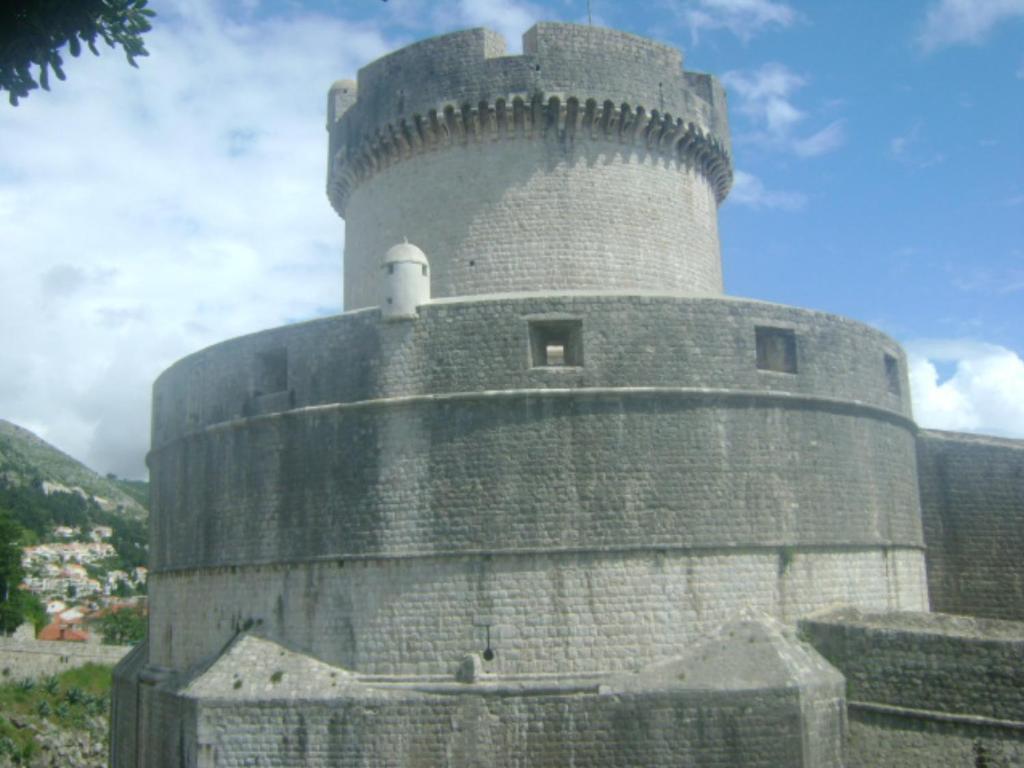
column 73, row 700
column 33, row 32
column 25, row 459
column 16, row 605
column 38, row 513
column 28, row 516
column 124, row 627
column 137, row 489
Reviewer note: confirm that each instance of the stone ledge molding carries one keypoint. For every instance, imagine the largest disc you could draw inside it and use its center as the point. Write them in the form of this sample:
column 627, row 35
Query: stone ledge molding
column 935, row 715
column 559, row 119
column 780, row 549
column 712, row 397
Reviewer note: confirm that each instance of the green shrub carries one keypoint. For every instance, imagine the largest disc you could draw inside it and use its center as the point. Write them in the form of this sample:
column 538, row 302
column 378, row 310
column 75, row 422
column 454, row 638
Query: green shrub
column 51, row 685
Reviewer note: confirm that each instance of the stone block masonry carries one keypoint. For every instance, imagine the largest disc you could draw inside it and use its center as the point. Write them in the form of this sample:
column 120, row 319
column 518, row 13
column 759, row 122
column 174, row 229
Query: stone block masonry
column 488, row 489
column 543, row 613
column 927, row 689
column 751, row 695
column 972, row 502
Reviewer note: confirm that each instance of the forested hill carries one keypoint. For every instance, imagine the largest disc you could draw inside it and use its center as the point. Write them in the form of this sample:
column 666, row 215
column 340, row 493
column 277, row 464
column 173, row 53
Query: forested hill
column 27, row 461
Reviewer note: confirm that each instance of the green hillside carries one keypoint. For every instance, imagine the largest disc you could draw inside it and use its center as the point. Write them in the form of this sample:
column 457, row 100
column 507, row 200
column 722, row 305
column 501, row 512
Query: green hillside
column 43, row 490
column 26, row 459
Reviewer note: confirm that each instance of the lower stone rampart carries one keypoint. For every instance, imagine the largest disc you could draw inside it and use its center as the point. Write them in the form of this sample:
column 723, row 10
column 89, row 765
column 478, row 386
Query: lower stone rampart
column 751, row 695
column 544, row 612
column 898, row 739
column 758, row 728
column 927, row 689
column 972, row 503
column 21, row 659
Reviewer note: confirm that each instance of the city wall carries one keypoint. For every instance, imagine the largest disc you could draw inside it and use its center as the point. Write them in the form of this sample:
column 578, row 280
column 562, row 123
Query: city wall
column 972, row 503
column 927, row 689
column 21, row 659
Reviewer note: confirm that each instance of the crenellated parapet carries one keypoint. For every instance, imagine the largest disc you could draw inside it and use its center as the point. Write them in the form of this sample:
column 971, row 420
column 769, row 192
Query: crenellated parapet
column 553, row 118
column 571, row 83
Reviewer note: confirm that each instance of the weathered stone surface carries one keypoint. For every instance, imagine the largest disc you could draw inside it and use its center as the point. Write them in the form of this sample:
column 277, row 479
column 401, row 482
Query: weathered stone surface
column 261, row 703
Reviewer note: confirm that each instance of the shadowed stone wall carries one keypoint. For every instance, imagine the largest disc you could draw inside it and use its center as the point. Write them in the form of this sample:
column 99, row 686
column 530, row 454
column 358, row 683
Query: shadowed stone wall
column 972, row 501
column 927, row 689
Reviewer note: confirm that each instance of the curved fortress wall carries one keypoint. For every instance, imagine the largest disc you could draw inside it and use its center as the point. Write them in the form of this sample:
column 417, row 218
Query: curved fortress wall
column 592, row 161
column 407, row 488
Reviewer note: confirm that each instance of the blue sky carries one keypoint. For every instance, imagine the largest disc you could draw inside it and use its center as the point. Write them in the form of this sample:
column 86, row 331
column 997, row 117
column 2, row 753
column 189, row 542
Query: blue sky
column 148, row 213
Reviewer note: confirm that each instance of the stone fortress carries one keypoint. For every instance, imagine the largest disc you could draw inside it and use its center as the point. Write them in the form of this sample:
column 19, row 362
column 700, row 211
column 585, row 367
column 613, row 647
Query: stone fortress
column 543, row 495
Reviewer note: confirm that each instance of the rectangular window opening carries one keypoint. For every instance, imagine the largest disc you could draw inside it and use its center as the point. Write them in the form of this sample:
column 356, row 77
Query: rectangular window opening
column 892, row 374
column 271, row 374
column 776, row 349
column 556, row 343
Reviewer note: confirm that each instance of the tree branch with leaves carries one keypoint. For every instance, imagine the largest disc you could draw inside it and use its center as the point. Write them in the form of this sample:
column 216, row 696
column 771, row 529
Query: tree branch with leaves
column 34, row 32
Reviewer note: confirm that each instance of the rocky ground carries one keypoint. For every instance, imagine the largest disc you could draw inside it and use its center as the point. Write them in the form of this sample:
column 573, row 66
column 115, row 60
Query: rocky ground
column 56, row 746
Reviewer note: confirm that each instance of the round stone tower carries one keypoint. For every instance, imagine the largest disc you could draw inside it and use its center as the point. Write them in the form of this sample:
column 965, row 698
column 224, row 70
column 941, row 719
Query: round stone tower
column 591, row 162
column 554, row 454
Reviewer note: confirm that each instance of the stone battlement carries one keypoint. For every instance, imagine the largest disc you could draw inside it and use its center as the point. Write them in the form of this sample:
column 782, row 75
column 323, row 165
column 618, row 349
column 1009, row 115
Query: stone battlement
column 572, row 82
column 655, row 133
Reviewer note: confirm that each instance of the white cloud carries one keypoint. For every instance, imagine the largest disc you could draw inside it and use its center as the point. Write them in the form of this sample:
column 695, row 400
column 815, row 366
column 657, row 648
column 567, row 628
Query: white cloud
column 912, row 149
column 425, row 17
column 511, row 19
column 985, row 392
column 743, row 18
column 953, row 22
column 750, row 191
column 829, row 138
column 147, row 213
column 764, row 96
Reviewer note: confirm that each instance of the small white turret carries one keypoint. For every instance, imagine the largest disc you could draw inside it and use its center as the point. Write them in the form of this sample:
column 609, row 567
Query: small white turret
column 405, row 278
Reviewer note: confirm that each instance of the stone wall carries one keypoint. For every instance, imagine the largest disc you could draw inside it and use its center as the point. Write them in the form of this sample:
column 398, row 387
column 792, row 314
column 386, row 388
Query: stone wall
column 456, row 346
column 545, row 613
column 433, row 463
column 927, row 689
column 667, row 422
column 972, row 502
column 125, row 720
column 759, row 729
column 749, row 696
column 38, row 658
column 532, row 213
